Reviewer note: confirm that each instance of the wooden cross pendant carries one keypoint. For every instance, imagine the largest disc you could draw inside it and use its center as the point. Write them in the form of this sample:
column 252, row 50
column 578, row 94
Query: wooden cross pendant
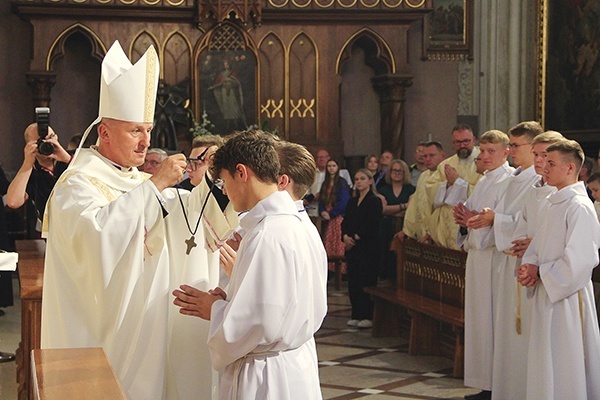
column 190, row 243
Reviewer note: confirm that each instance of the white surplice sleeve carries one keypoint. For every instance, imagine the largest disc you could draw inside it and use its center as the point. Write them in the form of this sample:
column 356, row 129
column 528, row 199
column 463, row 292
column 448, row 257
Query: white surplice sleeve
column 452, row 195
column 570, row 273
column 266, row 312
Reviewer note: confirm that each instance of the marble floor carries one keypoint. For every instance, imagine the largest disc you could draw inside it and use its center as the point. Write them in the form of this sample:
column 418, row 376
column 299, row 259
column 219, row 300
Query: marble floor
column 352, row 364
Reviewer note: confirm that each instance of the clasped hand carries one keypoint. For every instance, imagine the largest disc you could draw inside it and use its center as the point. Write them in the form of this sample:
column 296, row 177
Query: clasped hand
column 519, row 246
column 196, row 302
column 528, row 275
column 451, row 174
column 350, row 241
column 462, row 214
column 481, row 220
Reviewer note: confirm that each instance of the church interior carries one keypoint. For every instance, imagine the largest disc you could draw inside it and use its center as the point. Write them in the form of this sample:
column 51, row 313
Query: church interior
column 355, row 77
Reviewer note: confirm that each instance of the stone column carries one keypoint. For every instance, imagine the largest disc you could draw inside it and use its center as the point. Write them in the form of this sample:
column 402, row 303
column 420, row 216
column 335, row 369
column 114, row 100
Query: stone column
column 41, row 83
column 501, row 77
column 392, row 95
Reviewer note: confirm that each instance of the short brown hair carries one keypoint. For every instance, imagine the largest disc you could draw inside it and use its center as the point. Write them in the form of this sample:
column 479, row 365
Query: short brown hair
column 548, row 137
column 255, row 149
column 297, row 163
column 571, row 150
column 207, row 141
column 530, row 129
column 435, row 143
column 462, row 127
column 494, row 136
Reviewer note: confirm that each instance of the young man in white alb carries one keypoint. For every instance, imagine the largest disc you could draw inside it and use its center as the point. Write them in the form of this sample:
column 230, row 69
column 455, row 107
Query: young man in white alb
column 479, row 243
column 563, row 361
column 510, row 316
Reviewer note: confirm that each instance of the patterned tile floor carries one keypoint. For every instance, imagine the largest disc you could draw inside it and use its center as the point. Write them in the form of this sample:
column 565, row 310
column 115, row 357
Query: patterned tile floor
column 353, row 365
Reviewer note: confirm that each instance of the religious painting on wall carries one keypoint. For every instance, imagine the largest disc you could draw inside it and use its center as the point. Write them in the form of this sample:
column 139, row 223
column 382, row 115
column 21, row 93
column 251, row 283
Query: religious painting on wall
column 447, row 31
column 228, row 89
column 569, row 74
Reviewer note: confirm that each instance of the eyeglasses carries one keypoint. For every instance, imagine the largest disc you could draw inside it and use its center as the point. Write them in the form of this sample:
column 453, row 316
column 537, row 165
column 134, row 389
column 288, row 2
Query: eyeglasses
column 462, row 142
column 397, row 171
column 514, row 146
column 194, row 163
column 154, row 163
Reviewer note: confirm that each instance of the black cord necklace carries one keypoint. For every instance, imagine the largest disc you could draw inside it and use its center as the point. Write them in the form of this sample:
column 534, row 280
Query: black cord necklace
column 191, row 242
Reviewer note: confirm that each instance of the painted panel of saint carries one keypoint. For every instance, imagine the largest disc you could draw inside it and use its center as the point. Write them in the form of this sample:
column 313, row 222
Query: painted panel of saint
column 228, row 89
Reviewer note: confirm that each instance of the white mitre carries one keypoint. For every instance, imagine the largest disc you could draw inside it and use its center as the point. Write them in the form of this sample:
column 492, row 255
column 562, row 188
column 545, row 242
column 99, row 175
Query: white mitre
column 127, row 91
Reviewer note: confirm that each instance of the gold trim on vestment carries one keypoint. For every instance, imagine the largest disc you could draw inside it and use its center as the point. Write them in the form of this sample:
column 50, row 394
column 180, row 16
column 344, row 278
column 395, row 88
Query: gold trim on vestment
column 151, row 83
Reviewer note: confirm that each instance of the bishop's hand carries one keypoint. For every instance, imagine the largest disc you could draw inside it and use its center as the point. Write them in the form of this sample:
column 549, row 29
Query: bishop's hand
column 170, row 172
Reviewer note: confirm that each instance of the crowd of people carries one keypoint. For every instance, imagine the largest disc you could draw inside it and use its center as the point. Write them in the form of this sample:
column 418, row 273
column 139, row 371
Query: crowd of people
column 179, row 267
column 532, row 236
column 524, row 206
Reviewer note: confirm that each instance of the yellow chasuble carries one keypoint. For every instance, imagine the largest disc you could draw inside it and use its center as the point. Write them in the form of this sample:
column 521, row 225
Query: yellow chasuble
column 442, row 228
column 419, row 208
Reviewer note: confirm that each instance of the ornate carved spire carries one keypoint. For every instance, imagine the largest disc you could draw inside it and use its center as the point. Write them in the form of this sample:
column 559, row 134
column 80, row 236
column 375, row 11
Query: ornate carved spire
column 244, row 11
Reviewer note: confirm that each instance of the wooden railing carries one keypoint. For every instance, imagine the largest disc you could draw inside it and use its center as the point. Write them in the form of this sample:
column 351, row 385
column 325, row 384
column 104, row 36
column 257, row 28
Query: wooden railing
column 31, row 277
column 73, row 374
column 430, row 286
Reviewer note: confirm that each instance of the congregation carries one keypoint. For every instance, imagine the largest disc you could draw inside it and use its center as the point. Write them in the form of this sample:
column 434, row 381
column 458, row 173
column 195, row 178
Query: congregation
column 217, row 256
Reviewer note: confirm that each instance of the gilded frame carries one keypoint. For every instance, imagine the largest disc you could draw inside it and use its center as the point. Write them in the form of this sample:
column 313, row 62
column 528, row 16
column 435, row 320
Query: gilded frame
column 568, row 95
column 448, row 31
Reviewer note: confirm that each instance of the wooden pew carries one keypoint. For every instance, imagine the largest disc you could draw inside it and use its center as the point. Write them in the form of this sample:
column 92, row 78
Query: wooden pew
column 337, row 263
column 430, row 286
column 31, row 277
column 70, row 374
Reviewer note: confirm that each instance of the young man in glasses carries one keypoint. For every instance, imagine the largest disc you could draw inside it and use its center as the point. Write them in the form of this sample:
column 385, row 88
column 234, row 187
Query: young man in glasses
column 203, row 149
column 511, row 316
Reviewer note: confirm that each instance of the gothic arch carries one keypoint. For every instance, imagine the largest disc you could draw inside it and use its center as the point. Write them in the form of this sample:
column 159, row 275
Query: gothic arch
column 211, row 40
column 272, row 82
column 177, row 57
column 140, row 44
column 57, row 48
column 378, row 54
column 303, row 72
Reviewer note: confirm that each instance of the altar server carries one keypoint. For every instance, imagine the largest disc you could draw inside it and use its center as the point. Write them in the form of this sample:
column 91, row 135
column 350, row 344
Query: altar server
column 262, row 331
column 563, row 361
column 479, row 320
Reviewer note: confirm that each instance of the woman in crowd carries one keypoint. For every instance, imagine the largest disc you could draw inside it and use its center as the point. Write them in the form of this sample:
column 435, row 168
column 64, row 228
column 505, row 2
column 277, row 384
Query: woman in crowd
column 372, row 163
column 360, row 236
column 333, row 198
column 394, row 196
